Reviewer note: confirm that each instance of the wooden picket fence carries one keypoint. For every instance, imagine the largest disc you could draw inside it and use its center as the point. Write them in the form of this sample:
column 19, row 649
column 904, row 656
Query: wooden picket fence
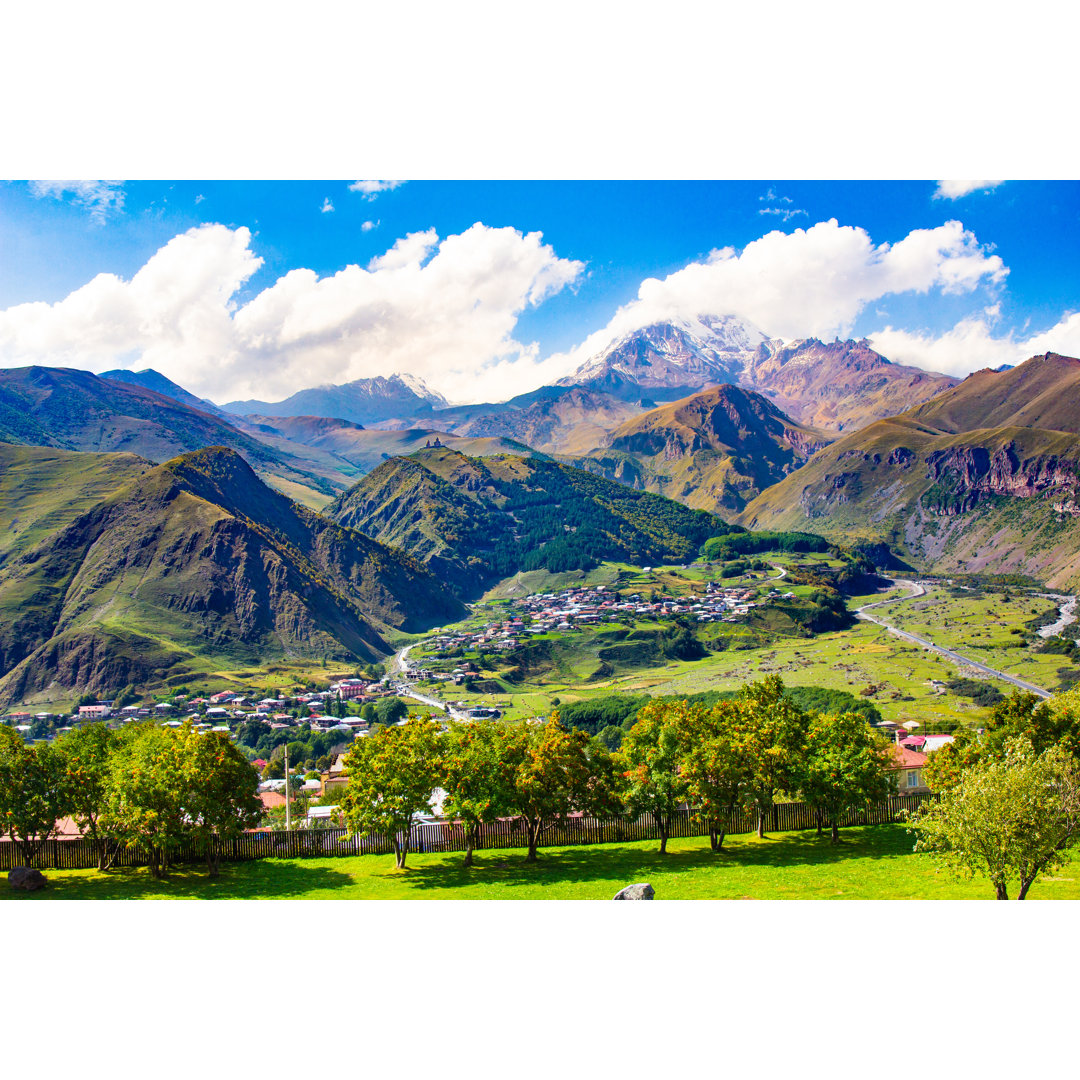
column 82, row 854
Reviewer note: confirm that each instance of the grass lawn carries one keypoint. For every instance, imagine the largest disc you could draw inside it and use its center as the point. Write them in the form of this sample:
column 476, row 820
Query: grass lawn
column 872, row 863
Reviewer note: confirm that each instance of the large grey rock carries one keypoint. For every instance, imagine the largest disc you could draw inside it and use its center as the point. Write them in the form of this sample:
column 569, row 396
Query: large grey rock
column 641, row 891
column 26, row 878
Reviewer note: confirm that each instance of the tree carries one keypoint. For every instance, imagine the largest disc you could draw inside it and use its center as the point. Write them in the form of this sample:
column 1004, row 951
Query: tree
column 1011, row 818
column 715, row 773
column 649, row 762
column 392, row 774
column 33, row 792
column 771, row 739
column 554, row 771
column 221, row 798
column 367, row 712
column 476, row 776
column 846, row 763
column 86, row 753
column 147, row 792
column 390, row 710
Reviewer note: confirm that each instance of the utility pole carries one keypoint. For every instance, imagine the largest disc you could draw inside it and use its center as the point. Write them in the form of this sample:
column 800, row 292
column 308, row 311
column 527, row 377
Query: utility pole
column 288, row 808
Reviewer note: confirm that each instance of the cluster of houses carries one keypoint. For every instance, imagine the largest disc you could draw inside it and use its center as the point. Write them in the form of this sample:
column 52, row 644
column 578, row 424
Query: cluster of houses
column 571, row 609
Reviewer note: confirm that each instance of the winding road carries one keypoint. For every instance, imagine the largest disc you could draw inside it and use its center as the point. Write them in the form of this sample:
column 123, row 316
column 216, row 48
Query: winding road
column 920, row 590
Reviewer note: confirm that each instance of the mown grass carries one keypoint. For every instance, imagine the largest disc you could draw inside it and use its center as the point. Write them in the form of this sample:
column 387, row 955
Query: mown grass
column 871, row 863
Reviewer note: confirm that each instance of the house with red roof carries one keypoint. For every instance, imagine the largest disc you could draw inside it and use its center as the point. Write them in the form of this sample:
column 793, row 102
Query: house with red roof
column 908, row 765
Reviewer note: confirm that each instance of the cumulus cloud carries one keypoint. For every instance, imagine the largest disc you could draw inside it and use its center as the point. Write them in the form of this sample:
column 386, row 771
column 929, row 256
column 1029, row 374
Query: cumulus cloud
column 957, row 189
column 443, row 309
column 98, row 196
column 371, row 189
column 971, row 344
column 327, row 206
column 368, row 226
column 809, row 282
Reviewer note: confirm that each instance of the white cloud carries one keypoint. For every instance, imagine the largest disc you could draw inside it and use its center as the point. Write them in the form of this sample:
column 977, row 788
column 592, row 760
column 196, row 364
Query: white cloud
column 327, row 206
column 368, row 226
column 98, row 196
column 371, row 189
column 199, row 199
column 443, row 309
column 957, row 189
column 970, row 345
column 809, row 282
column 785, row 211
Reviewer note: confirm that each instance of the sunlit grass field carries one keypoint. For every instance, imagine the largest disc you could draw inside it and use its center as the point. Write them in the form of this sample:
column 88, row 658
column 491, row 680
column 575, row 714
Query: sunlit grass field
column 871, row 863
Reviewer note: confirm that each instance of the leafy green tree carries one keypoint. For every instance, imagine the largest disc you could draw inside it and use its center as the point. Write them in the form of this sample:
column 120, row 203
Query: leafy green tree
column 221, row 799
column 476, row 776
column 86, row 752
column 1009, row 818
column 392, row 774
column 712, row 766
column 553, row 772
column 367, row 711
column 611, row 737
column 771, row 739
column 846, row 763
column 649, row 762
column 390, row 710
column 147, row 793
column 126, row 697
column 33, row 791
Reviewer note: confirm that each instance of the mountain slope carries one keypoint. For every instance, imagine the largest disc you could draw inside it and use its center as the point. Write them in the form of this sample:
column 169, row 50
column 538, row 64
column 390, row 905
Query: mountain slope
column 990, row 497
column 835, row 387
column 194, row 566
column 43, row 490
column 477, row 521
column 573, row 422
column 149, row 379
column 363, row 401
column 74, row 410
column 714, row 450
column 838, row 387
column 671, row 359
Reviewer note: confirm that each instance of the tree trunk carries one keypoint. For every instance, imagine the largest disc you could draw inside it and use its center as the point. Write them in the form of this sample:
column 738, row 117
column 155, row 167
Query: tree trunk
column 662, row 826
column 834, row 823
column 1025, row 884
column 533, row 830
column 716, row 836
column 761, row 815
column 1002, row 890
column 470, row 843
column 819, row 817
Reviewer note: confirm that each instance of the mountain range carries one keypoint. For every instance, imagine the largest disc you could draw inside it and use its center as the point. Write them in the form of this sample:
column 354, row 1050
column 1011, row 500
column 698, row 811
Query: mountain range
column 984, row 477
column 187, row 567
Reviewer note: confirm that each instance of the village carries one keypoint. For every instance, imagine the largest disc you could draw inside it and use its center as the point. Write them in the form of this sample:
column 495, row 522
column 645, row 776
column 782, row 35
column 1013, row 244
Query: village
column 575, row 608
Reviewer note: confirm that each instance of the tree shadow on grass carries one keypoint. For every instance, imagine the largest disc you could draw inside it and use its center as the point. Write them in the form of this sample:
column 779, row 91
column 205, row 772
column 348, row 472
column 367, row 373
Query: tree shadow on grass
column 283, row 880
column 627, row 863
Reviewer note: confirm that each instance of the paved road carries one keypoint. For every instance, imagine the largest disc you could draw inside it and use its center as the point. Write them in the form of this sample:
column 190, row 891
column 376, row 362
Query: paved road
column 398, row 667
column 920, row 590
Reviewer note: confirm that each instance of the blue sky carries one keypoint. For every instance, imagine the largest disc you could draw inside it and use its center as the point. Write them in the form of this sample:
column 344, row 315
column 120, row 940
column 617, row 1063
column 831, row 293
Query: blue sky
column 502, row 310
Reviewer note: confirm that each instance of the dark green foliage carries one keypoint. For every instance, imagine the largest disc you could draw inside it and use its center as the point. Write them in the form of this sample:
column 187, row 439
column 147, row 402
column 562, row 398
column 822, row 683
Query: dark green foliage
column 981, row 693
column 390, row 710
column 258, row 740
column 595, row 715
column 820, row 699
column 611, row 736
column 747, row 543
column 678, row 642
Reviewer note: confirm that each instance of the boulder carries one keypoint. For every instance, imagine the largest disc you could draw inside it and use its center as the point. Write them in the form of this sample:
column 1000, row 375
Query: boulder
column 641, row 891
column 26, row 878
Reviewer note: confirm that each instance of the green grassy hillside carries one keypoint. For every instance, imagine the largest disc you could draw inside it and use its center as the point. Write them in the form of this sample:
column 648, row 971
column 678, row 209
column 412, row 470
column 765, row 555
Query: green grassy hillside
column 194, row 566
column 712, row 451
column 477, row 521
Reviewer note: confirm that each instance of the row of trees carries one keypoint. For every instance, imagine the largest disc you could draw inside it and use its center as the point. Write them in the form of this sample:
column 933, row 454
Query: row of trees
column 747, row 751
column 157, row 786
